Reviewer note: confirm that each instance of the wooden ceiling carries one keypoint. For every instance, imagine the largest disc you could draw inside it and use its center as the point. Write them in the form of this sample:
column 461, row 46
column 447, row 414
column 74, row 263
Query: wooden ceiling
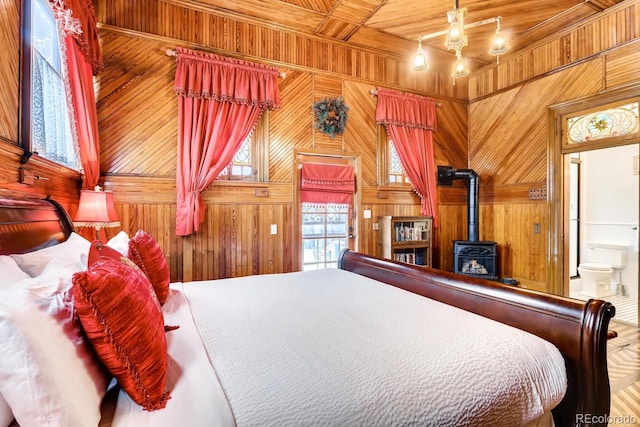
column 393, row 26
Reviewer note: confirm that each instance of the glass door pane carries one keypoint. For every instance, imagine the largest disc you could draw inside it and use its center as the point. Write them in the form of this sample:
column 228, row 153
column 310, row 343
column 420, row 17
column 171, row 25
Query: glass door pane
column 324, row 234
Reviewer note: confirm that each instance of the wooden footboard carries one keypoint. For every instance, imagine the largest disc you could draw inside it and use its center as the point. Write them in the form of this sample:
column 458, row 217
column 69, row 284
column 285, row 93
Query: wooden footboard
column 578, row 329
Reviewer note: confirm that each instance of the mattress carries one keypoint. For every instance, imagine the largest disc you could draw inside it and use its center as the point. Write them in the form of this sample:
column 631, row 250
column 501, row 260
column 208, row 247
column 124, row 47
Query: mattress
column 331, row 347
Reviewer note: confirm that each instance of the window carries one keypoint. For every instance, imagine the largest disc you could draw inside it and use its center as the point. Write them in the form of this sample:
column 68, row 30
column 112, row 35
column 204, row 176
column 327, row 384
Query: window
column 46, row 128
column 325, row 231
column 241, row 167
column 251, row 162
column 391, row 171
column 604, row 122
column 397, row 174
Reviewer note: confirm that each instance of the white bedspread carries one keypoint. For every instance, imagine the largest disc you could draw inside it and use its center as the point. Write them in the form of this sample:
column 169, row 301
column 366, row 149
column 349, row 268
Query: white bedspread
column 196, row 396
column 333, row 348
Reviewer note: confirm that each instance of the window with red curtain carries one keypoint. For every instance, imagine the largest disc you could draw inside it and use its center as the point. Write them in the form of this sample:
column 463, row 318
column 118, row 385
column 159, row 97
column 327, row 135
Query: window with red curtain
column 326, row 183
column 410, row 121
column 60, row 55
column 220, row 101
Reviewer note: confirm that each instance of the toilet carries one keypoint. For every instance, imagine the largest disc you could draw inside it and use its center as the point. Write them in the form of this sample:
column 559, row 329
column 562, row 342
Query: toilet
column 601, row 274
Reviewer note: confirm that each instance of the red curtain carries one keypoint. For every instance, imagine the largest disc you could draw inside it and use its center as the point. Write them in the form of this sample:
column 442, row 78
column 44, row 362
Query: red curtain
column 85, row 113
column 324, row 183
column 219, row 102
column 410, row 121
column 83, row 60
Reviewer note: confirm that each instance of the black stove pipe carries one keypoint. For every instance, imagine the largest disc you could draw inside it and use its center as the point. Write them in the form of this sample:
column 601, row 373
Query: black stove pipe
column 446, row 175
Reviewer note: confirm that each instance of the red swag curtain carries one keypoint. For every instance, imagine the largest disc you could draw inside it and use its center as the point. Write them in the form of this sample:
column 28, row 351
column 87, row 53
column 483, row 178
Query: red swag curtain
column 219, row 102
column 83, row 60
column 410, row 120
column 323, row 183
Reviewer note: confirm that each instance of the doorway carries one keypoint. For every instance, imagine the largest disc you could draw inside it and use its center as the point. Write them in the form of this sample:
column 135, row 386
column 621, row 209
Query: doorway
column 609, row 219
column 324, row 229
column 604, row 213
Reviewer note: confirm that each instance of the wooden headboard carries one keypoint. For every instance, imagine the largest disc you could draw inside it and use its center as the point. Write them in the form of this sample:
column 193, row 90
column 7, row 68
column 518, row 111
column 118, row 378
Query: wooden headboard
column 30, row 224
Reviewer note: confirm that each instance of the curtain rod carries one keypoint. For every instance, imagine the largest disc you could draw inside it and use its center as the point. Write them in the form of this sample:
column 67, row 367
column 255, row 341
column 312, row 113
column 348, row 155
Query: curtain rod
column 374, row 92
column 172, row 52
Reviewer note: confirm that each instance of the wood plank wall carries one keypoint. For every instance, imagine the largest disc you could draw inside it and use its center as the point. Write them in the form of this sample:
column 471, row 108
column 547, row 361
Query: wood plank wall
column 500, row 135
column 598, row 35
column 370, row 61
column 509, row 131
column 9, row 69
column 137, row 112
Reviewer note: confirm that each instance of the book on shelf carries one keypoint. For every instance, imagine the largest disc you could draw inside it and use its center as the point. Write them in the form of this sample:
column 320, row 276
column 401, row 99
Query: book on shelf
column 409, row 234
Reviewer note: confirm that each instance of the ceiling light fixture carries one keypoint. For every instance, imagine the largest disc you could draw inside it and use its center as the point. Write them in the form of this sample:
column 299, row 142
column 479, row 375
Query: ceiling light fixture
column 420, row 62
column 456, row 40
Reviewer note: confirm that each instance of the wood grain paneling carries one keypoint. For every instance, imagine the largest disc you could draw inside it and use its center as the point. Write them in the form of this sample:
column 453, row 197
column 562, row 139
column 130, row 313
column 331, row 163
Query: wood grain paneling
column 326, row 87
column 615, row 27
column 58, row 182
column 361, row 133
column 291, row 125
column 451, row 139
column 622, row 65
column 502, row 137
column 239, row 36
column 9, row 68
column 521, row 251
column 137, row 107
column 508, row 148
column 508, row 131
column 142, row 174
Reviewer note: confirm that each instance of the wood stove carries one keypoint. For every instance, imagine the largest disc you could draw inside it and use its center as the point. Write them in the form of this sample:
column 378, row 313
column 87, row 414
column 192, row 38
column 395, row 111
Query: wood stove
column 472, row 257
column 477, row 259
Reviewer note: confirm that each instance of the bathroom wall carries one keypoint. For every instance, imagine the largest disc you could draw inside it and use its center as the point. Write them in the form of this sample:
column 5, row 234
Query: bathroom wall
column 609, row 205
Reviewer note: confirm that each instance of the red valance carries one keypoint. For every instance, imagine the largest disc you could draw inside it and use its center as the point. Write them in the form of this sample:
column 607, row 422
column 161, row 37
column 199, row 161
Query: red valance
column 405, row 109
column 323, row 183
column 202, row 75
column 78, row 19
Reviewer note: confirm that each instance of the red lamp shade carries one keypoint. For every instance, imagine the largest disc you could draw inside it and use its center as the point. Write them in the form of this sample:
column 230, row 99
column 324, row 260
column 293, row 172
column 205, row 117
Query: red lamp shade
column 96, row 209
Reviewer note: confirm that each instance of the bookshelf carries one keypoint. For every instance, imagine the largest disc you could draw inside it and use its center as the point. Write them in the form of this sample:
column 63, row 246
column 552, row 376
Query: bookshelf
column 405, row 239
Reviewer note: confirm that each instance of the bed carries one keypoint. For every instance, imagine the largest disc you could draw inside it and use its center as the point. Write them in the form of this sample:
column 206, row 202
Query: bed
column 357, row 345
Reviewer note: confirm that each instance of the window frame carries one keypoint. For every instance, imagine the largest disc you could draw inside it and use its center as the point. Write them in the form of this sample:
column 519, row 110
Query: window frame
column 25, row 131
column 384, row 160
column 259, row 155
column 568, row 147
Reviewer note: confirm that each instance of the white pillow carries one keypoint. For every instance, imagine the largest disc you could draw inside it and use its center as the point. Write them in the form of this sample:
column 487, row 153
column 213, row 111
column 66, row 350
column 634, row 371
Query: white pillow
column 75, row 248
column 120, row 242
column 49, row 374
column 6, row 416
column 10, row 273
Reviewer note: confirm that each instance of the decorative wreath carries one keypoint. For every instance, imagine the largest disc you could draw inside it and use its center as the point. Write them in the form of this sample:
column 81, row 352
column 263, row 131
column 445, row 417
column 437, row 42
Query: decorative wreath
column 330, row 116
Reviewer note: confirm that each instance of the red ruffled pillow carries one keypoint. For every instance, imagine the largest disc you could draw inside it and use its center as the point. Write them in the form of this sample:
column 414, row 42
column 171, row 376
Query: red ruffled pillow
column 147, row 254
column 123, row 321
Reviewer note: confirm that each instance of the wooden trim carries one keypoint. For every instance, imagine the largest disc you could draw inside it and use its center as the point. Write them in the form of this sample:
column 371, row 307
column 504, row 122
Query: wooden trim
column 287, row 65
column 555, row 237
column 484, row 82
column 510, row 193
